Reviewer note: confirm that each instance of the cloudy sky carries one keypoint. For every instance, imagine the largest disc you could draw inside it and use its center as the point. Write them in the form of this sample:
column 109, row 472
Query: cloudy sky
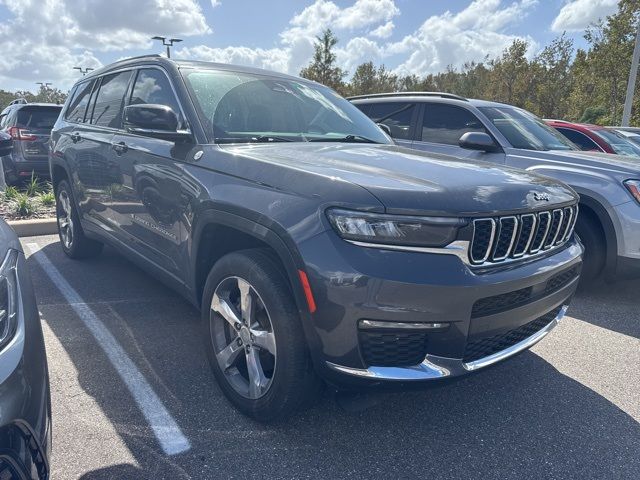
column 44, row 39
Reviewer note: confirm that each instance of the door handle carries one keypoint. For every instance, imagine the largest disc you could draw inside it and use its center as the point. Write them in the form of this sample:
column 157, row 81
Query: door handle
column 120, row 147
column 75, row 137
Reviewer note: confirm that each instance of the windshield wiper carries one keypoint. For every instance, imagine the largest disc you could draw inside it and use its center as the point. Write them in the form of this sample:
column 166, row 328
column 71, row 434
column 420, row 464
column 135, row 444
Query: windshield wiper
column 348, row 138
column 258, row 139
column 271, row 138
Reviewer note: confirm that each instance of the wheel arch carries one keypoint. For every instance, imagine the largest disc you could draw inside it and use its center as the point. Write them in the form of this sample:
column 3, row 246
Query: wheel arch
column 599, row 213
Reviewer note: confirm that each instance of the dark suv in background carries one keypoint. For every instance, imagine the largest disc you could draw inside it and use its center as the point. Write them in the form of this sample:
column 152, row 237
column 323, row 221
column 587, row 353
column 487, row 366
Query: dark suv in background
column 29, row 125
column 314, row 246
column 608, row 185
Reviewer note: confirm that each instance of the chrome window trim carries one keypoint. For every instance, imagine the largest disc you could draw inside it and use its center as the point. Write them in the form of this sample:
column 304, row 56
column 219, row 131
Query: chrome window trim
column 513, row 238
column 433, row 366
column 491, row 239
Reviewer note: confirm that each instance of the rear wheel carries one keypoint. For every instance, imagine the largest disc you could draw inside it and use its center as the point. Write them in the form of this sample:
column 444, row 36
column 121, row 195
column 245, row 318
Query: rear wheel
column 592, row 237
column 253, row 337
column 74, row 243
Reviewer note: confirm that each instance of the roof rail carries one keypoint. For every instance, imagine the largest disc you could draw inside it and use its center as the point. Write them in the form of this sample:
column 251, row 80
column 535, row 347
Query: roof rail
column 19, row 101
column 410, row 94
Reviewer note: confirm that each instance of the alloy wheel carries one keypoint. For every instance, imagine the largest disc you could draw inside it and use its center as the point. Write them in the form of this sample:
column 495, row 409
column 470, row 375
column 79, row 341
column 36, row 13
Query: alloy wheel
column 242, row 337
column 65, row 219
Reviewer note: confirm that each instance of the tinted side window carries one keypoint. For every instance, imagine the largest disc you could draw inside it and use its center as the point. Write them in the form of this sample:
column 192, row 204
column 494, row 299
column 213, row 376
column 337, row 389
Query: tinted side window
column 3, row 120
column 396, row 115
column 78, row 104
column 447, row 123
column 579, row 138
column 107, row 110
column 152, row 86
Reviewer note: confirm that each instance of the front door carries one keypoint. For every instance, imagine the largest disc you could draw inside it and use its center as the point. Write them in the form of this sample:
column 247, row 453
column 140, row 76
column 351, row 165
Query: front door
column 150, row 204
column 440, row 127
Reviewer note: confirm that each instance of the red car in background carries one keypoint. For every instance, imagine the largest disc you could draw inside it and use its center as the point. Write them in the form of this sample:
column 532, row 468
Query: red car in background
column 595, row 138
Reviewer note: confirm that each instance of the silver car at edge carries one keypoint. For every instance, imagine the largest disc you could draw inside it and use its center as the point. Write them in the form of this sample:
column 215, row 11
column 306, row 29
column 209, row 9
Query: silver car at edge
column 25, row 401
column 609, row 185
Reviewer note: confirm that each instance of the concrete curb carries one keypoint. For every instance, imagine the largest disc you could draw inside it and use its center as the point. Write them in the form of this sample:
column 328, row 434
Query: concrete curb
column 34, row 227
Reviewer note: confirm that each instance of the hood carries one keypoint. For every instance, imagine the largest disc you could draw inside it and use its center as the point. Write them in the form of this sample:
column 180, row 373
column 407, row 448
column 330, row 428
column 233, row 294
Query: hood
column 621, row 164
column 408, row 181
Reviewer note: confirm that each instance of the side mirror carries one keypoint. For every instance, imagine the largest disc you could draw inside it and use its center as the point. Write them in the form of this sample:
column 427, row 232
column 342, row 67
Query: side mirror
column 151, row 120
column 6, row 145
column 478, row 141
column 385, row 128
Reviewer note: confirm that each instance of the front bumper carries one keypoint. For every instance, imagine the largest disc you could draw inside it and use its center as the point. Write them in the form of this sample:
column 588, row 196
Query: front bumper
column 25, row 404
column 354, row 285
column 434, row 367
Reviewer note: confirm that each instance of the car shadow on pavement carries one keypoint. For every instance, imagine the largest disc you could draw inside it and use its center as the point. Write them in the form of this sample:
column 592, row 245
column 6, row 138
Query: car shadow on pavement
column 613, row 306
column 520, row 419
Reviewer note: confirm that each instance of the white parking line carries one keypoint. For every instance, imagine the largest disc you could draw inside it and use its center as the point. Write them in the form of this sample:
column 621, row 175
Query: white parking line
column 167, row 431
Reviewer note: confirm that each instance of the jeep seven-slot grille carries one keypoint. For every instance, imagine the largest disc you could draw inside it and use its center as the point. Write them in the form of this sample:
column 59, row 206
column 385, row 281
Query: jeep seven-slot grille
column 512, row 237
column 484, row 347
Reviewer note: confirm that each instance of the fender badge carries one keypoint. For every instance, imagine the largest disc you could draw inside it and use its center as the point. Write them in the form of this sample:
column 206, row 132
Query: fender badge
column 198, row 155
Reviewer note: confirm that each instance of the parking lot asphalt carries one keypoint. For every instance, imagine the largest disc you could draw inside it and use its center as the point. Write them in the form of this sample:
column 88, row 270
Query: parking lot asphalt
column 126, row 356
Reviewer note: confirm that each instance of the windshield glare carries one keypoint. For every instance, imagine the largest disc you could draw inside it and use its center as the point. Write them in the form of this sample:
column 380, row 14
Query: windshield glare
column 524, row 130
column 619, row 144
column 241, row 108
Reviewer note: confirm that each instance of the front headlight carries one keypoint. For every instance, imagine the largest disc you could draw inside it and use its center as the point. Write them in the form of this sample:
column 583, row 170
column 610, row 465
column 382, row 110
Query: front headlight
column 634, row 188
column 8, row 298
column 398, row 230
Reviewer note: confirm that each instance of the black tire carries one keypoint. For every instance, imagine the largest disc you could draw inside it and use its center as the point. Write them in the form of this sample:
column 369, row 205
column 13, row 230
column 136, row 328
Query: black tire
column 293, row 382
column 77, row 246
column 592, row 237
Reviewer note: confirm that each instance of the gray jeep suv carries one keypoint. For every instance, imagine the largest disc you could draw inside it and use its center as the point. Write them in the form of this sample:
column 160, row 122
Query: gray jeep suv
column 314, row 246
column 608, row 185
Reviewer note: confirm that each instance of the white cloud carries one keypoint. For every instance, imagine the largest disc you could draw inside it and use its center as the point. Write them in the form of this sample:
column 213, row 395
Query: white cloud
column 47, row 38
column 453, row 39
column 577, row 15
column 271, row 59
column 383, row 31
column 215, row 3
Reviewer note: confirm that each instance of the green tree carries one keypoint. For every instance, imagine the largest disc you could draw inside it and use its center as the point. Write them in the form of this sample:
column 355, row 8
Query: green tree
column 369, row 79
column 323, row 68
column 554, row 80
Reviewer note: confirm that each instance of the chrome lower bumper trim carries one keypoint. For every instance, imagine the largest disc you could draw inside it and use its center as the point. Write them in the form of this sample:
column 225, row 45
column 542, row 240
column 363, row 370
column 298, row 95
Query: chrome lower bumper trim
column 433, row 367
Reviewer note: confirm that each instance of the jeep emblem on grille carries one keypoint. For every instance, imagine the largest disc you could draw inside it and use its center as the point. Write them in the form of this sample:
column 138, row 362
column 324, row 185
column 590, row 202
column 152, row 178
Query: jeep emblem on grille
column 540, row 197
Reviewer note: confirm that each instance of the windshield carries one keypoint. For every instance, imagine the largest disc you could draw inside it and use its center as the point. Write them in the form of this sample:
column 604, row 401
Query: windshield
column 619, row 144
column 524, row 130
column 241, row 108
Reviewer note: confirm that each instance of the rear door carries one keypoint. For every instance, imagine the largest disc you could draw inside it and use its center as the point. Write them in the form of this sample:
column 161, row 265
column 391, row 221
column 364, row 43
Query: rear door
column 34, row 124
column 96, row 165
column 400, row 117
column 440, row 127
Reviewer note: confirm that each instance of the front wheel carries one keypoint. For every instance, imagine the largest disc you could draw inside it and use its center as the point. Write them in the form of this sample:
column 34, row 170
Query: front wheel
column 74, row 243
column 590, row 234
column 253, row 337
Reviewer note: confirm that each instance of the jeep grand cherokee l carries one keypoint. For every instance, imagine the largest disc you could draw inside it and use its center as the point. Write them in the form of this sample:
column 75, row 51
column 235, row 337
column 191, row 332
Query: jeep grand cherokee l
column 314, row 246
column 608, row 185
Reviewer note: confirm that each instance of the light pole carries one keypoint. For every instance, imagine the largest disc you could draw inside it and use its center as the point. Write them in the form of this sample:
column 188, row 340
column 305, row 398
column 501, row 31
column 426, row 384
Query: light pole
column 44, row 85
column 631, row 85
column 83, row 71
column 167, row 42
